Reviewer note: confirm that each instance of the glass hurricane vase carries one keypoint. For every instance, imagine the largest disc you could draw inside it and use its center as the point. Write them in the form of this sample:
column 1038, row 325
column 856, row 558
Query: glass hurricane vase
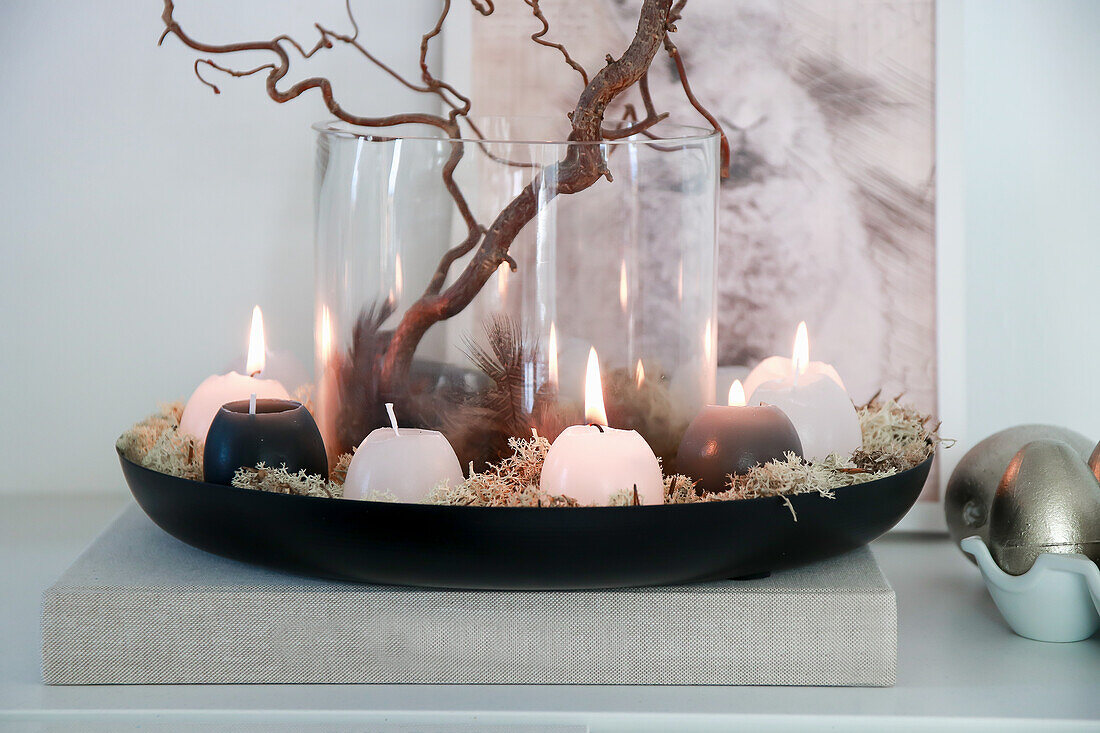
column 488, row 349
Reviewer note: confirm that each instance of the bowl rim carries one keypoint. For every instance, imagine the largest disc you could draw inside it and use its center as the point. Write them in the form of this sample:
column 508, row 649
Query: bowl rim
column 687, row 134
column 368, row 504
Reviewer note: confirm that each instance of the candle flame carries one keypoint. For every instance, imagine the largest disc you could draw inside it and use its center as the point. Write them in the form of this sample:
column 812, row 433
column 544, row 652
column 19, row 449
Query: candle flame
column 623, row 289
column 593, row 391
column 737, row 394
column 256, row 346
column 800, row 357
column 502, row 280
column 639, row 374
column 326, row 336
column 552, row 357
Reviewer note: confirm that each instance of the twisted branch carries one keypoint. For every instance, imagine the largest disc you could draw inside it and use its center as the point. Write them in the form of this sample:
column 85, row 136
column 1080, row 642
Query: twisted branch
column 651, row 118
column 231, row 72
column 279, row 69
column 581, row 167
column 540, row 39
column 674, row 52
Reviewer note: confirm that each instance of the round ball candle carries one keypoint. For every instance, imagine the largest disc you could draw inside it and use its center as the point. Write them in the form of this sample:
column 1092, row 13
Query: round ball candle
column 724, row 440
column 813, row 398
column 592, row 462
column 217, row 390
column 405, row 462
column 253, row 431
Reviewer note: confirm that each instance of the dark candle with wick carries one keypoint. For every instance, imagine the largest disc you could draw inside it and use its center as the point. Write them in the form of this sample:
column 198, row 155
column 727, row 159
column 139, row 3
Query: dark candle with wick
column 274, row 432
column 731, row 440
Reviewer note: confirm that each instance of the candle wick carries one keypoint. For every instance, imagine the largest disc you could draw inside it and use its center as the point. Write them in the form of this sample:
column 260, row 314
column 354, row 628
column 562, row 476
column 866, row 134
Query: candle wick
column 535, row 433
column 596, row 425
column 393, row 419
column 252, row 404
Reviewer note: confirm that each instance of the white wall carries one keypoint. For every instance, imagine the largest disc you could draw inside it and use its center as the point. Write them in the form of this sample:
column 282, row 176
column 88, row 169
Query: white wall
column 141, row 216
column 1032, row 193
column 1017, row 223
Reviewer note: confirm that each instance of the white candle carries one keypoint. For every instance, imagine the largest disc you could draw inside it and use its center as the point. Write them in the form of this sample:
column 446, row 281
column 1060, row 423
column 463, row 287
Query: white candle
column 216, row 390
column 812, row 395
column 781, row 367
column 591, row 462
column 405, row 462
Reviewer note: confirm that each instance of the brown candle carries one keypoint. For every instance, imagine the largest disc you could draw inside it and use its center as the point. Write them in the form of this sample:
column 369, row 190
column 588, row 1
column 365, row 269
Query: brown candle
column 724, row 440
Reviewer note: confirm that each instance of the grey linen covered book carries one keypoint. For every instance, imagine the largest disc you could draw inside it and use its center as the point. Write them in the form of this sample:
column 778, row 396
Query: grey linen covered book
column 140, row 607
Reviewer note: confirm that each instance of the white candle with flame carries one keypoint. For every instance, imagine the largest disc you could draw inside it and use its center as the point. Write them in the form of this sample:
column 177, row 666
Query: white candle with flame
column 216, row 390
column 405, row 462
column 591, row 462
column 281, row 365
column 812, row 395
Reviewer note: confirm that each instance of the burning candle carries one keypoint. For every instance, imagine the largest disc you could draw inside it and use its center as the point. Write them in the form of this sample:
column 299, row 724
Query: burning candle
column 217, row 390
column 281, row 365
column 591, row 462
column 724, row 440
column 405, row 462
column 812, row 396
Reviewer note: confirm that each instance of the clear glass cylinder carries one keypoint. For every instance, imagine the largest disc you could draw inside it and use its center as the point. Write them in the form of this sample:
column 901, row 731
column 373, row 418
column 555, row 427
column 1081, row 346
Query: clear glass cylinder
column 624, row 267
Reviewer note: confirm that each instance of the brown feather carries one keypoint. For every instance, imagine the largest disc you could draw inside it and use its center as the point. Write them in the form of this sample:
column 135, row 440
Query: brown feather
column 480, row 428
column 362, row 408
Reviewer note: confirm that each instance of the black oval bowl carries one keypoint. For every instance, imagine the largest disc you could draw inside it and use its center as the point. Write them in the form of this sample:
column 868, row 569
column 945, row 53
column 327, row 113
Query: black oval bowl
column 518, row 548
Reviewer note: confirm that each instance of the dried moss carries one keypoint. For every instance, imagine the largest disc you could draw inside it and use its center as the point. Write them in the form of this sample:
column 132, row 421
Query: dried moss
column 679, row 489
column 339, row 472
column 281, row 481
column 890, row 428
column 157, row 444
column 512, row 482
column 895, row 438
column 624, row 497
